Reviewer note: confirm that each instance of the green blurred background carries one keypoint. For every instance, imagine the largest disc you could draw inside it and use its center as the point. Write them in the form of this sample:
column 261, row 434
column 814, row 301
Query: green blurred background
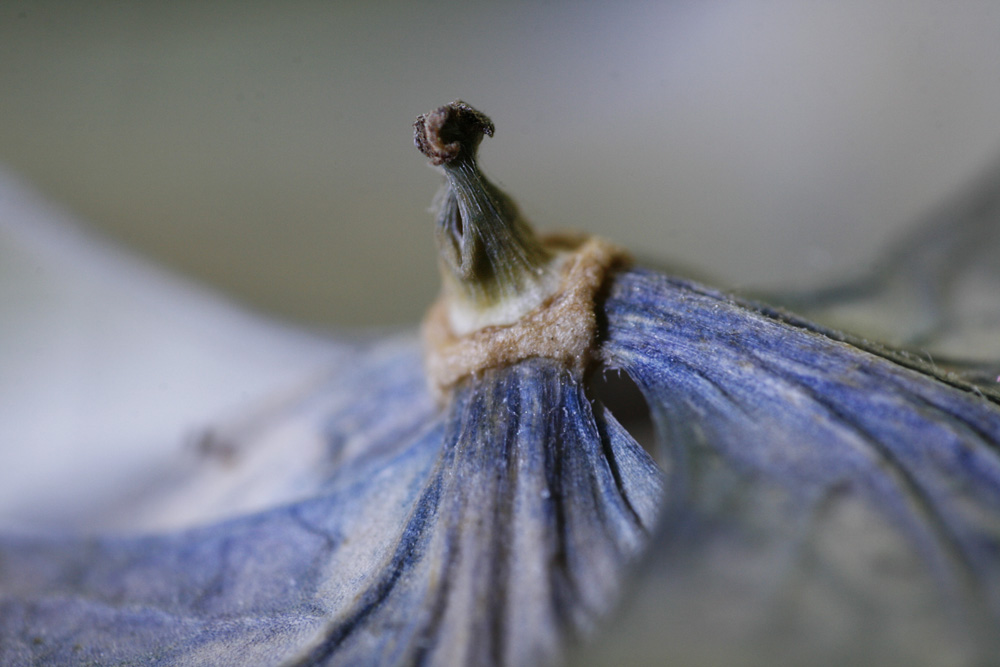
column 265, row 148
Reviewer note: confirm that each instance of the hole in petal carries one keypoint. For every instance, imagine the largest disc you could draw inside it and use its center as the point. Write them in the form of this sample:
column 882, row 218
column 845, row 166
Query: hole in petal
column 616, row 390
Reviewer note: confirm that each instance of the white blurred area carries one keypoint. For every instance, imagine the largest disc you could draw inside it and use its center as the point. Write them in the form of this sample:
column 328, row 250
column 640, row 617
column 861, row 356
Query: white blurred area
column 264, row 149
column 112, row 369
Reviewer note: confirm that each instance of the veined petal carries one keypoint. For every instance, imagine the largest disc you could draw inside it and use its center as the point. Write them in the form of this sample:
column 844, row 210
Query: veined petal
column 519, row 539
column 251, row 590
column 494, row 536
column 791, row 405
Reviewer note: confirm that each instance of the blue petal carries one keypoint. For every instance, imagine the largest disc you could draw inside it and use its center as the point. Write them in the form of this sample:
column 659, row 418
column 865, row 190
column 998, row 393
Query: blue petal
column 496, row 534
column 519, row 539
column 803, row 409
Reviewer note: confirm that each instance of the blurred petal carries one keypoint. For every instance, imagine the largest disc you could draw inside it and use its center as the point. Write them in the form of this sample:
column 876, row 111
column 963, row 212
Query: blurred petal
column 783, row 403
column 249, row 590
column 935, row 289
column 362, row 412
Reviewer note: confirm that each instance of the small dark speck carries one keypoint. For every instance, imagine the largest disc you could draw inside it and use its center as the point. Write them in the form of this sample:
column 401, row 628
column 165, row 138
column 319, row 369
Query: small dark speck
column 37, row 640
column 213, row 446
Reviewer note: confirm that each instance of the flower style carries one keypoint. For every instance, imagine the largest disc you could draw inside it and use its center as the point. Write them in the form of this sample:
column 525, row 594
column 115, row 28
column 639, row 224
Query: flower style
column 467, row 498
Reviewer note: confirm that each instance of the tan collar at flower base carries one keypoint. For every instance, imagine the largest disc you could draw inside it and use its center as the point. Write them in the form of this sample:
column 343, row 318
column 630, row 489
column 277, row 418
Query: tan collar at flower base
column 508, row 295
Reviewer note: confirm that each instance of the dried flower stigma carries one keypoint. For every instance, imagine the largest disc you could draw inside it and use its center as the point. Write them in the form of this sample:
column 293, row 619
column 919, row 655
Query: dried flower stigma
column 443, row 133
column 508, row 294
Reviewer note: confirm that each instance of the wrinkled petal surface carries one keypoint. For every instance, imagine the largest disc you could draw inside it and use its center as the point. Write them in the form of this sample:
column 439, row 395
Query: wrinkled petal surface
column 495, row 533
column 749, row 401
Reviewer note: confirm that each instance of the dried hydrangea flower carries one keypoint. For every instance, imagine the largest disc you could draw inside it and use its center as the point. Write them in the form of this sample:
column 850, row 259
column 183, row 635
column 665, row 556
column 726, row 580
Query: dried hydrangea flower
column 466, row 499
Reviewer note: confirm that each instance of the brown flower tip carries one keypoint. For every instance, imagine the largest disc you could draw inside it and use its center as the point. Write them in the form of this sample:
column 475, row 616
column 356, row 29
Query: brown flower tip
column 445, row 133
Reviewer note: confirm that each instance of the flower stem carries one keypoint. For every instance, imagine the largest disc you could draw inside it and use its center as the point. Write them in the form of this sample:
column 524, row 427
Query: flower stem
column 494, row 266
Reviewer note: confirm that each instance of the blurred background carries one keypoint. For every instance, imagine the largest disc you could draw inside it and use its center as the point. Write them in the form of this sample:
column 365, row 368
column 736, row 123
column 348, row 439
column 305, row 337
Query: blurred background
column 265, row 148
